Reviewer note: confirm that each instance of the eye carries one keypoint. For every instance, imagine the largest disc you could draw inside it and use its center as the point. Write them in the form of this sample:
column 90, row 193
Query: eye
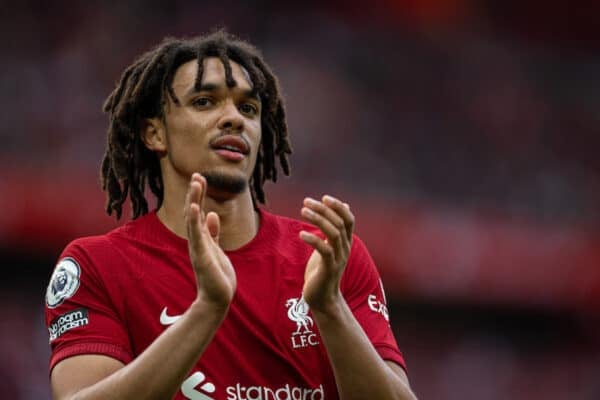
column 202, row 102
column 249, row 108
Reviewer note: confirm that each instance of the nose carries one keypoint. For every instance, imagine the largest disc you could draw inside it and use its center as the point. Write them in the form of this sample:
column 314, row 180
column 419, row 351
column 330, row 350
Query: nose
column 231, row 119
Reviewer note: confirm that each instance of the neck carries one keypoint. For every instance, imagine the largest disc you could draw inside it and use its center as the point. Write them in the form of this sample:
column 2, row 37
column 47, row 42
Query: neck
column 239, row 221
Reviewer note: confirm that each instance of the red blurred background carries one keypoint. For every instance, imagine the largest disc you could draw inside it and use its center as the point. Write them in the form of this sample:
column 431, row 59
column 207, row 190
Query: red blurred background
column 464, row 134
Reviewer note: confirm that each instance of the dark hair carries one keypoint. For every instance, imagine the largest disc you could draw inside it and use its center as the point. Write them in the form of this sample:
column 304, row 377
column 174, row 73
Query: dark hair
column 142, row 93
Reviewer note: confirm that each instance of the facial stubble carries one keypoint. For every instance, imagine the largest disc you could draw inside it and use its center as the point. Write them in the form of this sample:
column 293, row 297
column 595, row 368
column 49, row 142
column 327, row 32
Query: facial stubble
column 221, row 182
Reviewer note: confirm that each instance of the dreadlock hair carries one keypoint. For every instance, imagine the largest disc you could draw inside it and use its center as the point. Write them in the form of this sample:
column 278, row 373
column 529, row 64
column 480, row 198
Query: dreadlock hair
column 142, row 93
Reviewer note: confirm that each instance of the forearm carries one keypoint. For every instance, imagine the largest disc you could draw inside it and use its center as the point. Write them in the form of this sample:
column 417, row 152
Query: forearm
column 359, row 371
column 158, row 372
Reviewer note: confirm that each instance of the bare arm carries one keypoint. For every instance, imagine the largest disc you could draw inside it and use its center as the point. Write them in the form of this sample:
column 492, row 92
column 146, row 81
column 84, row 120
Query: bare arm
column 359, row 371
column 159, row 371
column 156, row 374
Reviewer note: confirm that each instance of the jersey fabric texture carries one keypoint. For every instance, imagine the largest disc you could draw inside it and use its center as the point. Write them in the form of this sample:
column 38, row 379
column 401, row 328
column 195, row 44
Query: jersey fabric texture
column 114, row 294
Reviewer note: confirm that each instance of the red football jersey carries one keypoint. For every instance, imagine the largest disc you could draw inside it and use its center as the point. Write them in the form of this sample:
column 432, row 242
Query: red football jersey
column 114, row 294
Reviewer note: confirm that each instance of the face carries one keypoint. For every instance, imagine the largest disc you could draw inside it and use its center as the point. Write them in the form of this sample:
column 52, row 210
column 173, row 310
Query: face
column 215, row 130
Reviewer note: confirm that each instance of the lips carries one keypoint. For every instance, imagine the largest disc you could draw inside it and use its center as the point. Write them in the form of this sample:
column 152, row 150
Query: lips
column 230, row 143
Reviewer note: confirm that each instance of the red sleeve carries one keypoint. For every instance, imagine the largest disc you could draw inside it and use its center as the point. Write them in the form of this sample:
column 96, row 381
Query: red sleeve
column 79, row 313
column 363, row 290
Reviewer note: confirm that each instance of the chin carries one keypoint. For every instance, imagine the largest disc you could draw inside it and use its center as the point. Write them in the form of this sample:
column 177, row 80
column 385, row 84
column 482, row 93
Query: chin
column 225, row 185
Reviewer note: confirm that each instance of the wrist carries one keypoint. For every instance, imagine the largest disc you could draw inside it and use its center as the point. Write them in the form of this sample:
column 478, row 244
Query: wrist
column 208, row 309
column 331, row 308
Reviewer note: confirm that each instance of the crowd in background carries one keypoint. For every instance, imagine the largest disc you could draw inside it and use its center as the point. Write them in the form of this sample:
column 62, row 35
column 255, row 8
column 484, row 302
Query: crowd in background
column 466, row 117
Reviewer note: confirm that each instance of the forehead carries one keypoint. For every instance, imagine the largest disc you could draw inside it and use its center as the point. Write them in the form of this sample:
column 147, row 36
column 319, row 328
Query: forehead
column 213, row 73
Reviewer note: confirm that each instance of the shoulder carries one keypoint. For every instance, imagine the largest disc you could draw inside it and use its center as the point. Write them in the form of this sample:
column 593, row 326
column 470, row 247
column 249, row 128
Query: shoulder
column 89, row 250
column 77, row 266
column 359, row 251
column 135, row 229
column 361, row 272
column 85, row 247
column 113, row 238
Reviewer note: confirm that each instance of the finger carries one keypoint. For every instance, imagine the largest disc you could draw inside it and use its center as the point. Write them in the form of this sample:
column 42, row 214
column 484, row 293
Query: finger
column 343, row 210
column 319, row 245
column 198, row 186
column 340, row 239
column 188, row 195
column 332, row 233
column 193, row 227
column 329, row 213
column 214, row 225
column 194, row 212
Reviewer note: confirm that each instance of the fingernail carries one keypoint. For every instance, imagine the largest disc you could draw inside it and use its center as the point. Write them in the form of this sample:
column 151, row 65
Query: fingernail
column 307, row 211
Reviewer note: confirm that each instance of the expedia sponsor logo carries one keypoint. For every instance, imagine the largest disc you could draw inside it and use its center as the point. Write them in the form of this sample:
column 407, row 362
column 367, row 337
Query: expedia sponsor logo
column 378, row 306
column 287, row 392
column 66, row 322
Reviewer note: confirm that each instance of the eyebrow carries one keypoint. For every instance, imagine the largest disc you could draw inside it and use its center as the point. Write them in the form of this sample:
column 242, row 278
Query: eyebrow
column 212, row 87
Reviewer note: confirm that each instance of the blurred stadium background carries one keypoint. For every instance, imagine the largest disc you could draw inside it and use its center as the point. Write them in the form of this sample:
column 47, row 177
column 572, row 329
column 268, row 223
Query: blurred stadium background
column 465, row 135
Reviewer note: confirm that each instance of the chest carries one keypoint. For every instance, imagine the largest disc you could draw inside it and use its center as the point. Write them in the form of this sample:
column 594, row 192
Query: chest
column 268, row 339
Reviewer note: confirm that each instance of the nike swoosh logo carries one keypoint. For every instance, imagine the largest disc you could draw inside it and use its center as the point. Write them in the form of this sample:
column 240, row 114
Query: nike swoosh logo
column 168, row 319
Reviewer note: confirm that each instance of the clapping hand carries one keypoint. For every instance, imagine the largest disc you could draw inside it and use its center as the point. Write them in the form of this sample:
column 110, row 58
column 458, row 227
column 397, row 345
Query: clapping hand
column 326, row 264
column 215, row 275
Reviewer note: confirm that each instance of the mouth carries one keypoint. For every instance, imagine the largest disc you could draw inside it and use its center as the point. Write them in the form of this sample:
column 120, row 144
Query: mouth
column 231, row 147
column 231, row 143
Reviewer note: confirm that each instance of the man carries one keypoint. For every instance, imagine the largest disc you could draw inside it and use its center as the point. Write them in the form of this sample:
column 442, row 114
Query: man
column 210, row 297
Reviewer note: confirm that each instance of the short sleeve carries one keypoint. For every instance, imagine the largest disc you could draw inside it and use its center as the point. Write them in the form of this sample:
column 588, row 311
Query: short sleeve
column 363, row 290
column 79, row 313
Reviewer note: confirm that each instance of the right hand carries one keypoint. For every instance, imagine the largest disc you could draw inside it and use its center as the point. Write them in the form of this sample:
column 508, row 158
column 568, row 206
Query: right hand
column 215, row 275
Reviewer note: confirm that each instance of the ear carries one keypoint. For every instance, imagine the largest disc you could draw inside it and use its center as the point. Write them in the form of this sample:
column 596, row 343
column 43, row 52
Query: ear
column 153, row 135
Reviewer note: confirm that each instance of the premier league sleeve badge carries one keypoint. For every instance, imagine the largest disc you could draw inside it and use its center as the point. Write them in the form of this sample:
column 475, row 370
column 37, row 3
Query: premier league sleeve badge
column 63, row 283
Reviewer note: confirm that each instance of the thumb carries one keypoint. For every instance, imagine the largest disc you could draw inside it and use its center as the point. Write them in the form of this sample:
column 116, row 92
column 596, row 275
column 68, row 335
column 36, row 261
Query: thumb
column 213, row 224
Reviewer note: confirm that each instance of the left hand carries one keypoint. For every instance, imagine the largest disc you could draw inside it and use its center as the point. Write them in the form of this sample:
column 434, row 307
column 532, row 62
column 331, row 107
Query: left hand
column 326, row 264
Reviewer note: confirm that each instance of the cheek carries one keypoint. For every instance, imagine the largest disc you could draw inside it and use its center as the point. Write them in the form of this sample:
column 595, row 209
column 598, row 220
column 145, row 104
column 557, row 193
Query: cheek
column 255, row 136
column 187, row 138
column 255, row 130
column 187, row 129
